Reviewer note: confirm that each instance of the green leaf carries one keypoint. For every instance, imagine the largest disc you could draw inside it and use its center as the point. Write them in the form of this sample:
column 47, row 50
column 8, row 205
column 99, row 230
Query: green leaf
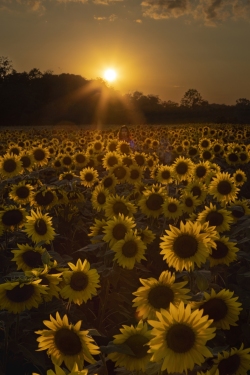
column 112, row 348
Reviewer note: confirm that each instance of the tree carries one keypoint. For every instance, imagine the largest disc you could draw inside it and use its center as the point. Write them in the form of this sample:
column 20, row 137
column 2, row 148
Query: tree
column 243, row 103
column 35, row 73
column 192, row 98
column 5, row 66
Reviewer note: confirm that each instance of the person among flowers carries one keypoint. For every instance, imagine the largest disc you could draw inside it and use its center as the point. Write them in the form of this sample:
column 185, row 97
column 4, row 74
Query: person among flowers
column 124, row 135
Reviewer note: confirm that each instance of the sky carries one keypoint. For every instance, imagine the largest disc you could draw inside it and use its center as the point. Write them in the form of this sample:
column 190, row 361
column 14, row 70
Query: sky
column 157, row 47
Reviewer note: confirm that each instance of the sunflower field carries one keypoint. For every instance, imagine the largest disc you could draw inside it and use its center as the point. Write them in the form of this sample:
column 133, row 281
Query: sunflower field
column 120, row 260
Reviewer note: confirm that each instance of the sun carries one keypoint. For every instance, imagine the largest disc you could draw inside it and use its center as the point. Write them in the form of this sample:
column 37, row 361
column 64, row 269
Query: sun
column 110, row 75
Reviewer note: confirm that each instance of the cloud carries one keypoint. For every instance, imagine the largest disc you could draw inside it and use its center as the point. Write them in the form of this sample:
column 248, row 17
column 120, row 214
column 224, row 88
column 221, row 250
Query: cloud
column 106, row 2
column 111, row 18
column 211, row 12
column 138, row 21
column 36, row 6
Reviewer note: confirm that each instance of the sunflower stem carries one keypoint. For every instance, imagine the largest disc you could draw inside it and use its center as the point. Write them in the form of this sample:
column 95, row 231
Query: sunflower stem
column 104, row 364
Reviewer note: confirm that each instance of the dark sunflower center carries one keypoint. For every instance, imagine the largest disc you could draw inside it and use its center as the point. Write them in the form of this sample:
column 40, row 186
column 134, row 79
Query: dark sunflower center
column 101, row 198
column 15, row 151
column 119, row 173
column 185, row 246
column 160, row 296
column 238, row 213
column 44, row 280
column 201, row 171
column 120, row 208
column 9, row 165
column 139, row 160
column 192, row 151
column 224, row 187
column 238, row 177
column 215, row 308
column 217, row 148
column 112, row 160
column 39, row 154
column 119, row 231
column 67, row 160
column 32, row 258
column 68, row 176
column 41, row 227
column 189, row 202
column 68, row 342
column 57, row 164
column 134, row 174
column 79, row 281
column 207, row 155
column 243, row 157
column 108, row 182
column 165, row 175
column 214, row 218
column 112, row 147
column 22, row 192
column 181, row 168
column 129, row 249
column 196, row 191
column 80, row 158
column 180, row 338
column 12, row 217
column 150, row 163
column 44, row 199
column 89, row 176
column 172, row 207
column 26, row 161
column 230, row 365
column 204, row 144
column 19, row 295
column 137, row 344
column 98, row 146
column 221, row 251
column 154, row 202
column 233, row 157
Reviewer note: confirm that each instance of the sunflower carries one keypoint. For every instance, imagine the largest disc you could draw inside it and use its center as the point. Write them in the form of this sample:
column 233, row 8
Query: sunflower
column 116, row 229
column 80, row 160
column 244, row 157
column 204, row 144
column 127, row 160
column 120, row 171
column 129, row 250
column 109, row 182
column 10, row 165
column 224, row 252
column 58, row 371
column 135, row 174
column 232, row 158
column 50, row 280
column 147, row 236
column 239, row 208
column 172, row 208
column 183, row 248
column 89, row 176
column 201, row 171
column 123, row 147
column 198, row 189
column 155, row 295
column 68, row 176
column 219, row 218
column 20, row 295
column 28, row 257
column 111, row 159
column 116, row 205
column 12, row 217
column 81, row 283
column 99, row 197
column 189, row 202
column 112, row 144
column 39, row 227
column 137, row 339
column 239, row 177
column 140, row 159
column 97, row 229
column 66, row 342
column 232, row 362
column 223, row 188
column 66, row 160
column 182, row 168
column 221, row 307
column 21, row 193
column 40, row 155
column 151, row 203
column 44, row 198
column 164, row 174
column 180, row 338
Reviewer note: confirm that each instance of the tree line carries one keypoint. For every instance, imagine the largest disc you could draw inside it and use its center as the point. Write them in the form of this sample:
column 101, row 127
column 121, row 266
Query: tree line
column 44, row 98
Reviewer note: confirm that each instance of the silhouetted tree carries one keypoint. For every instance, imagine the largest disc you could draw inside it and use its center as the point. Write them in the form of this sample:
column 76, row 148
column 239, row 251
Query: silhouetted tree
column 243, row 102
column 5, row 66
column 192, row 98
column 35, row 73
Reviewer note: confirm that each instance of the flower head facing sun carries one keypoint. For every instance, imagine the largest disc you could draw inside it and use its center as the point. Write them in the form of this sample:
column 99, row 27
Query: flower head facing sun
column 39, row 227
